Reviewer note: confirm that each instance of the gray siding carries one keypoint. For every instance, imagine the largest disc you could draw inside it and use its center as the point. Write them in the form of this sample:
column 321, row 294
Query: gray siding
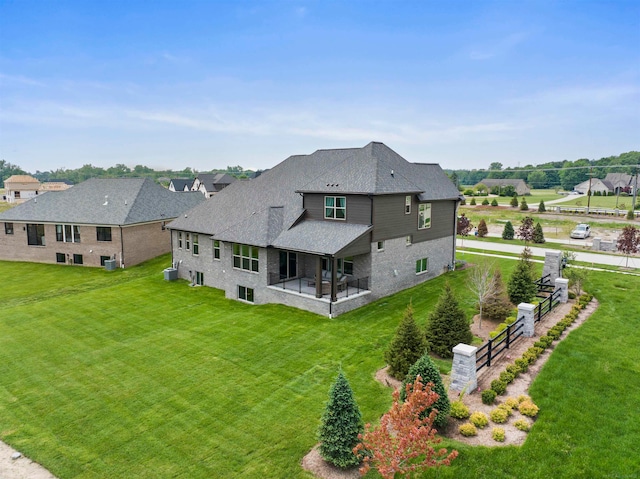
column 390, row 220
column 358, row 207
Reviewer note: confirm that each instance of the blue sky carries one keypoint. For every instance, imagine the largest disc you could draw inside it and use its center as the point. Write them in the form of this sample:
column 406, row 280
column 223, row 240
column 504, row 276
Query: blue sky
column 206, row 84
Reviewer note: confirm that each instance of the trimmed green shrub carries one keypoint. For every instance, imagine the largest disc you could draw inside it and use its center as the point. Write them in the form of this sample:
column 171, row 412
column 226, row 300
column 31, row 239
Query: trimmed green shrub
column 340, row 425
column 494, row 202
column 572, row 295
column 498, row 386
column 514, row 201
column 507, row 377
column 467, row 429
column 485, row 202
column 472, row 202
column 523, row 425
column 429, row 374
column 497, row 433
column 523, row 205
column 407, row 346
column 488, row 396
column 522, row 364
column 541, row 207
column 479, row 419
column 499, row 415
column 459, row 410
column 513, row 369
column 528, row 408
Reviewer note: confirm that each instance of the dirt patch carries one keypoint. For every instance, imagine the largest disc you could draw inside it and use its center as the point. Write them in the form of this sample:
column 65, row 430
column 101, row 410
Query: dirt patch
column 20, row 467
column 314, row 463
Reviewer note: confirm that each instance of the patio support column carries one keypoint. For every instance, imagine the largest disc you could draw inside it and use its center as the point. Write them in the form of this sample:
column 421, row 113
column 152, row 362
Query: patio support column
column 334, row 282
column 318, row 277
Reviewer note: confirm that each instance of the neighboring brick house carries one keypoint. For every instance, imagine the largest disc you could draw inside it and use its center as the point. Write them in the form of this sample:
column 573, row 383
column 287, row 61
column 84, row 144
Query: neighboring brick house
column 326, row 232
column 21, row 188
column 210, row 184
column 621, row 182
column 96, row 220
column 596, row 185
column 519, row 186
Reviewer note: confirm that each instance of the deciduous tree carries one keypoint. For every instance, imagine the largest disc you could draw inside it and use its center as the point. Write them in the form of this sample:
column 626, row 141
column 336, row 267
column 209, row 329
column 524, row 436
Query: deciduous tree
column 405, row 441
column 340, row 426
column 497, row 306
column 525, row 230
column 482, row 228
column 480, row 283
column 629, row 241
column 428, row 371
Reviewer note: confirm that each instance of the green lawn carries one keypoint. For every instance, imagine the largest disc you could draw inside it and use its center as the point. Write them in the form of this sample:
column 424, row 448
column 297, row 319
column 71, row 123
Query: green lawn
column 610, row 202
column 121, row 374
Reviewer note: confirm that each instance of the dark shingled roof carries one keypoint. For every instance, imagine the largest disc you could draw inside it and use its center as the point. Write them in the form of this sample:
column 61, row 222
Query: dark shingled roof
column 123, row 201
column 263, row 211
column 180, row 183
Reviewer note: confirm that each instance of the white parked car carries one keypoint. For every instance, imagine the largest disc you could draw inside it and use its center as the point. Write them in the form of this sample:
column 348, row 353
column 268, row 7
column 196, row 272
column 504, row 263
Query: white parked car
column 581, row 231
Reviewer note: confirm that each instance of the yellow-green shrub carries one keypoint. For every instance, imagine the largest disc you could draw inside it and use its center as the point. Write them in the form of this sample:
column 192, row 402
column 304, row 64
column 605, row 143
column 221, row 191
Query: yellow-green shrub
column 498, row 434
column 459, row 410
column 511, row 403
column 479, row 419
column 500, row 415
column 528, row 408
column 523, row 397
column 467, row 429
column 523, row 425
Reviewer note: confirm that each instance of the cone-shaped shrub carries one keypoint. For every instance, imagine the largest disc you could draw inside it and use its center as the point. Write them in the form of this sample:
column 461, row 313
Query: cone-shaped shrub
column 341, row 423
column 541, row 207
column 514, row 201
column 482, row 229
column 538, row 235
column 408, row 345
column 447, row 325
column 429, row 374
column 508, row 232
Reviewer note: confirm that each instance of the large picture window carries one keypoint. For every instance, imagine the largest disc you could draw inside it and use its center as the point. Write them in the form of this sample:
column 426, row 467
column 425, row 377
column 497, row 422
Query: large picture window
column 68, row 233
column 103, row 233
column 245, row 257
column 335, row 207
column 424, row 216
column 35, row 235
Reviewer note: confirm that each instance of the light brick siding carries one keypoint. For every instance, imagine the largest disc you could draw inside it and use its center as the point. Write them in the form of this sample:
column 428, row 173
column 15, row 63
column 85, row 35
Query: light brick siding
column 143, row 242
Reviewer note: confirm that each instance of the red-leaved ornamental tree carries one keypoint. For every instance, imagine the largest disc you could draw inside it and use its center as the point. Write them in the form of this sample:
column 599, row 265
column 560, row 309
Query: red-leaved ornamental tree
column 403, row 442
column 629, row 241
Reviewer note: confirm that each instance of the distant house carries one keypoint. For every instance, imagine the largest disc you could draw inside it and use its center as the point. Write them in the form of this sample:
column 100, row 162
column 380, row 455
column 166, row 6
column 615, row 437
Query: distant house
column 326, row 232
column 180, row 184
column 621, row 182
column 20, row 188
column 519, row 186
column 96, row 220
column 596, row 185
column 210, row 184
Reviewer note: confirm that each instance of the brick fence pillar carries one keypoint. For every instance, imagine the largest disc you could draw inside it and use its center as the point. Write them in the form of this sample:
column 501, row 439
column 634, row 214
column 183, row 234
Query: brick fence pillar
column 526, row 310
column 552, row 265
column 463, row 371
column 562, row 284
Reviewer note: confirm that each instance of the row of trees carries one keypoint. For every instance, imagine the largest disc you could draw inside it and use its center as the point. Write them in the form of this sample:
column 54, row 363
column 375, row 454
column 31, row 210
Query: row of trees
column 565, row 174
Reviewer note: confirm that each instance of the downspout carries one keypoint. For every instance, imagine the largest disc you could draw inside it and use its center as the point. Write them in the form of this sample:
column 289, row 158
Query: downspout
column 171, row 245
column 455, row 231
column 121, row 248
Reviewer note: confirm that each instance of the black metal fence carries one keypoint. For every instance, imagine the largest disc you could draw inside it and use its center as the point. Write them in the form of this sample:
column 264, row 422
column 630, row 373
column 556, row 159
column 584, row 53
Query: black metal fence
column 308, row 285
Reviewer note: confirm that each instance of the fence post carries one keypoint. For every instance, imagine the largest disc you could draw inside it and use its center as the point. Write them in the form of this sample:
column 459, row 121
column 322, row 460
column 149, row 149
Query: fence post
column 526, row 311
column 552, row 265
column 562, row 284
column 463, row 371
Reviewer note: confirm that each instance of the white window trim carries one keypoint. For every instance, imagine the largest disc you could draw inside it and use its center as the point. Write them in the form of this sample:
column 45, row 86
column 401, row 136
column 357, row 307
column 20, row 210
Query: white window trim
column 422, row 209
column 426, row 270
column 407, row 205
column 408, row 240
column 195, row 245
column 380, row 245
column 216, row 248
column 335, row 208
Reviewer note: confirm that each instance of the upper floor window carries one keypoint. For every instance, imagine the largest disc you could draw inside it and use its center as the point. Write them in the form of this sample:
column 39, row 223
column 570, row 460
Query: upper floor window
column 196, row 245
column 407, row 204
column 68, row 233
column 335, row 207
column 179, row 239
column 103, row 233
column 216, row 249
column 8, row 228
column 187, row 241
column 245, row 257
column 424, row 216
column 35, row 235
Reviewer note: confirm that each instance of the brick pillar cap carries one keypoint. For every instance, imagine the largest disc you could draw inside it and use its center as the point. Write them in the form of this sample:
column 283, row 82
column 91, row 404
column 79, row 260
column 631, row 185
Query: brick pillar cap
column 562, row 280
column 526, row 307
column 464, row 349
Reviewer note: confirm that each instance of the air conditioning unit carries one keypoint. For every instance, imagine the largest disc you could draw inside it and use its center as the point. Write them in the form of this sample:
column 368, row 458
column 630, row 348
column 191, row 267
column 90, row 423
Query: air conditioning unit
column 170, row 274
column 110, row 265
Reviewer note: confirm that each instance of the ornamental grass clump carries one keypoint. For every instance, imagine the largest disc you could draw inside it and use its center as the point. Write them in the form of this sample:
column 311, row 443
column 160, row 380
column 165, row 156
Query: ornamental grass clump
column 479, row 419
column 497, row 433
column 467, row 430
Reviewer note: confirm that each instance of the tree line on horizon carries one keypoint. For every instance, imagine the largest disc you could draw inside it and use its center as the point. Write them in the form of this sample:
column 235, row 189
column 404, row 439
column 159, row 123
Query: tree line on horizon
column 565, row 174
column 87, row 171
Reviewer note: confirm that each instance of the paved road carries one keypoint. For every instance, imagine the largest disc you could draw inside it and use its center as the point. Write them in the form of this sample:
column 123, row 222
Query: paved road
column 593, row 258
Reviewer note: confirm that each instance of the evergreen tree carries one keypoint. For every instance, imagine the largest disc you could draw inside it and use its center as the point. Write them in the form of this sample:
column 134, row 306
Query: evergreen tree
column 485, row 202
column 472, row 202
column 429, row 373
column 494, row 202
column 447, row 325
column 514, row 200
column 541, row 207
column 538, row 235
column 340, row 426
column 482, row 229
column 521, row 287
column 497, row 306
column 407, row 346
column 508, row 232
column 523, row 205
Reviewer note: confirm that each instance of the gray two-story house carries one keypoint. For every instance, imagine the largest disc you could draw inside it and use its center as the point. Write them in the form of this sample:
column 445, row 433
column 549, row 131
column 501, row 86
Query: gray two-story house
column 326, row 232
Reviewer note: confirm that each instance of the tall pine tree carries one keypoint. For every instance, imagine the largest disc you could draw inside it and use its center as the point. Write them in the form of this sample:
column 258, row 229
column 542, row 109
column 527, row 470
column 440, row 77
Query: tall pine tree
column 508, row 231
column 447, row 325
column 340, row 426
column 406, row 347
column 538, row 235
column 429, row 373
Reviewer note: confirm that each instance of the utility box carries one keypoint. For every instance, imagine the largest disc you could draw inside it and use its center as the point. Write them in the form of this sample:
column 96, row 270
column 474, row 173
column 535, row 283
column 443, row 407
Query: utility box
column 170, row 274
column 110, row 265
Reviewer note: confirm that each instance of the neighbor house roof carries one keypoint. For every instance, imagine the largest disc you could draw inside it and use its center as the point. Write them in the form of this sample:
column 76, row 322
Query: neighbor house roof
column 179, row 184
column 267, row 211
column 215, row 182
column 501, row 182
column 21, row 179
column 123, row 201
